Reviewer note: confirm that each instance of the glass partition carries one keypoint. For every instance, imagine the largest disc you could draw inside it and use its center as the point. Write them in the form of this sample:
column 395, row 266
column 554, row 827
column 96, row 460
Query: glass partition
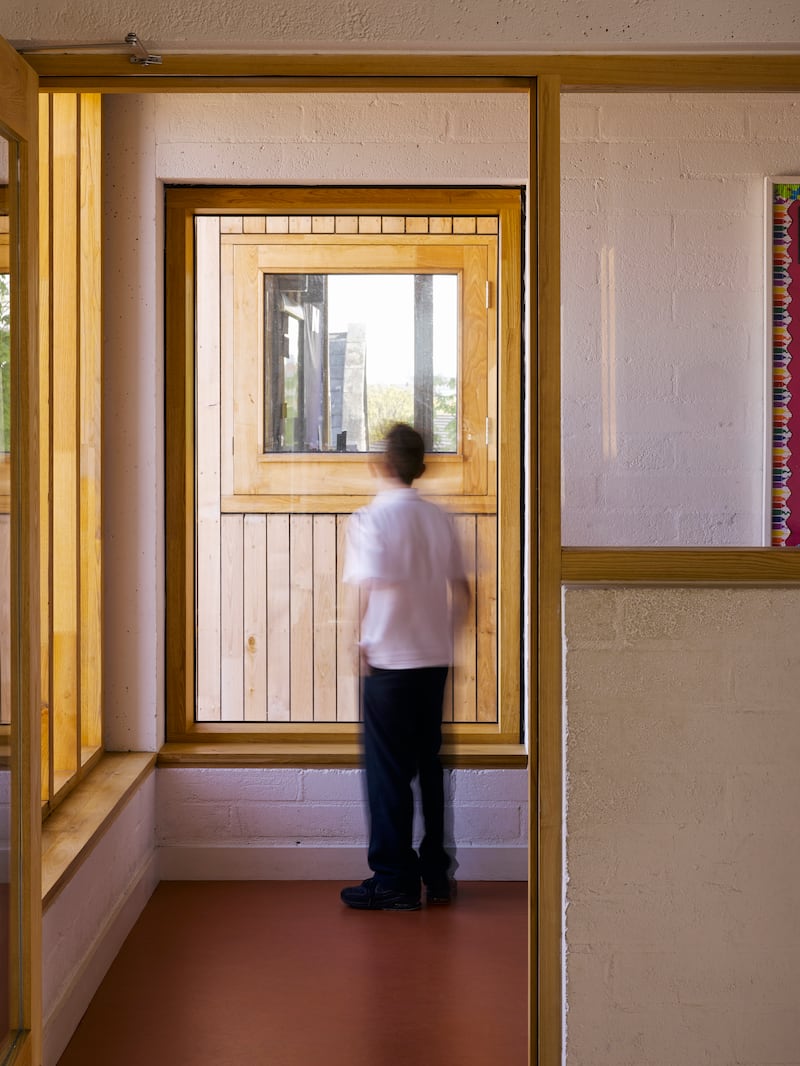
column 665, row 388
column 6, row 605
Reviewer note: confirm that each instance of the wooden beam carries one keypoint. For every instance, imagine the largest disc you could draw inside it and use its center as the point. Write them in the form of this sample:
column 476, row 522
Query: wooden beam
column 732, row 567
column 730, row 72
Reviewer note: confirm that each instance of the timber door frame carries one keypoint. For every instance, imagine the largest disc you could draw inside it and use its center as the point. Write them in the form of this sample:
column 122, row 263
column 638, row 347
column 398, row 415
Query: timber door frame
column 544, row 77
column 19, row 111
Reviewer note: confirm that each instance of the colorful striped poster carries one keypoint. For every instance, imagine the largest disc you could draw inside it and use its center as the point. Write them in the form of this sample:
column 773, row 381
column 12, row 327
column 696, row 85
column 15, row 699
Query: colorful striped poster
column 786, row 364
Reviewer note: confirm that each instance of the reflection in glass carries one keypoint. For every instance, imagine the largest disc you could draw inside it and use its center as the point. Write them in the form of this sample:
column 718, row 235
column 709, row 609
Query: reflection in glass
column 6, row 607
column 347, row 355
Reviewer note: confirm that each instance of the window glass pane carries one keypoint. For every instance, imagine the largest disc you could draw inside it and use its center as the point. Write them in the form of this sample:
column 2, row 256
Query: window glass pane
column 665, row 393
column 5, row 360
column 347, row 355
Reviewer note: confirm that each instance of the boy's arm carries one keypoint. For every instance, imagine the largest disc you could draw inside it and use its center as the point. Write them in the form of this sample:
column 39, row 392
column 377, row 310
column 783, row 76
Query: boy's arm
column 462, row 597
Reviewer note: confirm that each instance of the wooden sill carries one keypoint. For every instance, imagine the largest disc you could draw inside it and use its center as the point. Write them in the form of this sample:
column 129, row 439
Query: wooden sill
column 75, row 826
column 329, row 756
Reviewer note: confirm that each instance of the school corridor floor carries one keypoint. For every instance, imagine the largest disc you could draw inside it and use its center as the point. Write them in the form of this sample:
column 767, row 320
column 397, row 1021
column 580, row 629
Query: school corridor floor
column 280, row 973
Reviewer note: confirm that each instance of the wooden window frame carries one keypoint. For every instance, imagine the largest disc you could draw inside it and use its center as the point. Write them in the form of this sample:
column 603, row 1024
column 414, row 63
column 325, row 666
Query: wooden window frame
column 289, row 743
column 465, row 475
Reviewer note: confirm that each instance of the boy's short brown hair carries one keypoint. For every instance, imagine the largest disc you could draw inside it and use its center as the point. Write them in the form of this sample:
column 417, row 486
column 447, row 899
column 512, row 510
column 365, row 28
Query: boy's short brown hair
column 405, row 452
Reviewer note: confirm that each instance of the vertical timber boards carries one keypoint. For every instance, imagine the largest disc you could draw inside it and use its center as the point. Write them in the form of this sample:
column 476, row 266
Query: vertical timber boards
column 70, row 337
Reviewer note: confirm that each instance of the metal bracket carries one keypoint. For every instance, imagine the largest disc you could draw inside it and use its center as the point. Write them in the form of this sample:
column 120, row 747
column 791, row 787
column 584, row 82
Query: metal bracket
column 142, row 57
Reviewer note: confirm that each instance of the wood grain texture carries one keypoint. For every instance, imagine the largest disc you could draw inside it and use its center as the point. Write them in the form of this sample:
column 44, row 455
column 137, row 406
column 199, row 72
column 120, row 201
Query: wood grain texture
column 279, row 671
column 465, row 639
column 65, row 515
column 301, row 577
column 90, row 415
column 546, row 985
column 19, row 116
column 179, row 472
column 305, row 593
column 260, row 474
column 510, row 488
column 416, row 73
column 347, row 635
column 44, row 357
column 255, row 618
column 325, row 613
column 208, row 418
column 232, row 618
column 285, row 200
column 329, row 752
column 731, row 567
column 486, row 564
column 324, row 503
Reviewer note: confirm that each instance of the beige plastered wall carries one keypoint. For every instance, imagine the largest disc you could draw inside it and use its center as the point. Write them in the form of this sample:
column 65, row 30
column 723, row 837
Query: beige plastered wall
column 683, row 837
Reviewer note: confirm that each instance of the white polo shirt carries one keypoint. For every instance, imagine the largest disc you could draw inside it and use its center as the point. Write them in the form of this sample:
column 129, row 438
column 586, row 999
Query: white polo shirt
column 403, row 550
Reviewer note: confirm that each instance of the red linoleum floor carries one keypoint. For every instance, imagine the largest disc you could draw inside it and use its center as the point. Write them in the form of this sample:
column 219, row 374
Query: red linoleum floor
column 280, row 973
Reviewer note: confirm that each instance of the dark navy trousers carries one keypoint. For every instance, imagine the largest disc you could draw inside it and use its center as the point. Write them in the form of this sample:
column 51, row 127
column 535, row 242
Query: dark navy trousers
column 402, row 736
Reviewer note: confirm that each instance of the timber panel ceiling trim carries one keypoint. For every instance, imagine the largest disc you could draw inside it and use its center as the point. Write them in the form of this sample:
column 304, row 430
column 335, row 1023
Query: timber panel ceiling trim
column 410, row 73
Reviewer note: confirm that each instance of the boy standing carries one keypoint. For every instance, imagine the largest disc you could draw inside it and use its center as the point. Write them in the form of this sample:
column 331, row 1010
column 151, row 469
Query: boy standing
column 404, row 555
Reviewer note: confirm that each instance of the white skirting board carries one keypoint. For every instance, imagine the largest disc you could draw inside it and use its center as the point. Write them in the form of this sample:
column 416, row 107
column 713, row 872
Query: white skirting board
column 65, row 1014
column 299, row 863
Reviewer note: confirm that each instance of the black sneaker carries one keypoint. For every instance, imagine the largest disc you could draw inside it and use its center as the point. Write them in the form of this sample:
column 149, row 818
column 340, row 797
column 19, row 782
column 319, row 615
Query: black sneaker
column 441, row 893
column 371, row 896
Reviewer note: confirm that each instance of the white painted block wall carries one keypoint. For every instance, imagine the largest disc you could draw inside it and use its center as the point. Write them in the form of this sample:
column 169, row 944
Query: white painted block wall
column 86, row 922
column 663, row 314
column 311, row 824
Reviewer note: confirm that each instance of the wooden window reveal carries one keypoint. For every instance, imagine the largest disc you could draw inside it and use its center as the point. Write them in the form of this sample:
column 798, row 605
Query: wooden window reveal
column 261, row 625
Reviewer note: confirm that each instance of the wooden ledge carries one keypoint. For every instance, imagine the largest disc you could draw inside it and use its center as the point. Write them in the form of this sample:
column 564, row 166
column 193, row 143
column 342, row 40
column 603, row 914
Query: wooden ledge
column 71, row 831
column 329, row 756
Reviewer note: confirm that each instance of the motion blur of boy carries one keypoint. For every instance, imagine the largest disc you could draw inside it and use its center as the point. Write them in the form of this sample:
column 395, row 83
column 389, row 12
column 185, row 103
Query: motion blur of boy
column 403, row 553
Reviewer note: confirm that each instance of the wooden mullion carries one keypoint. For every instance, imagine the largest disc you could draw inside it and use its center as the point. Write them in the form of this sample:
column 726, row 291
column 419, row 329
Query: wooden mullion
column 179, row 393
column 47, row 265
column 90, row 421
column 546, row 799
column 79, row 528
column 45, row 452
column 65, row 437
column 509, row 488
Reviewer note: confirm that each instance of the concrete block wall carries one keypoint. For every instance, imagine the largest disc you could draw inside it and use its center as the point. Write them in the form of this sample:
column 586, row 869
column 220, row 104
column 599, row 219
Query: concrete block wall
column 283, row 823
column 437, row 26
column 682, row 829
column 345, row 138
column 664, row 330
